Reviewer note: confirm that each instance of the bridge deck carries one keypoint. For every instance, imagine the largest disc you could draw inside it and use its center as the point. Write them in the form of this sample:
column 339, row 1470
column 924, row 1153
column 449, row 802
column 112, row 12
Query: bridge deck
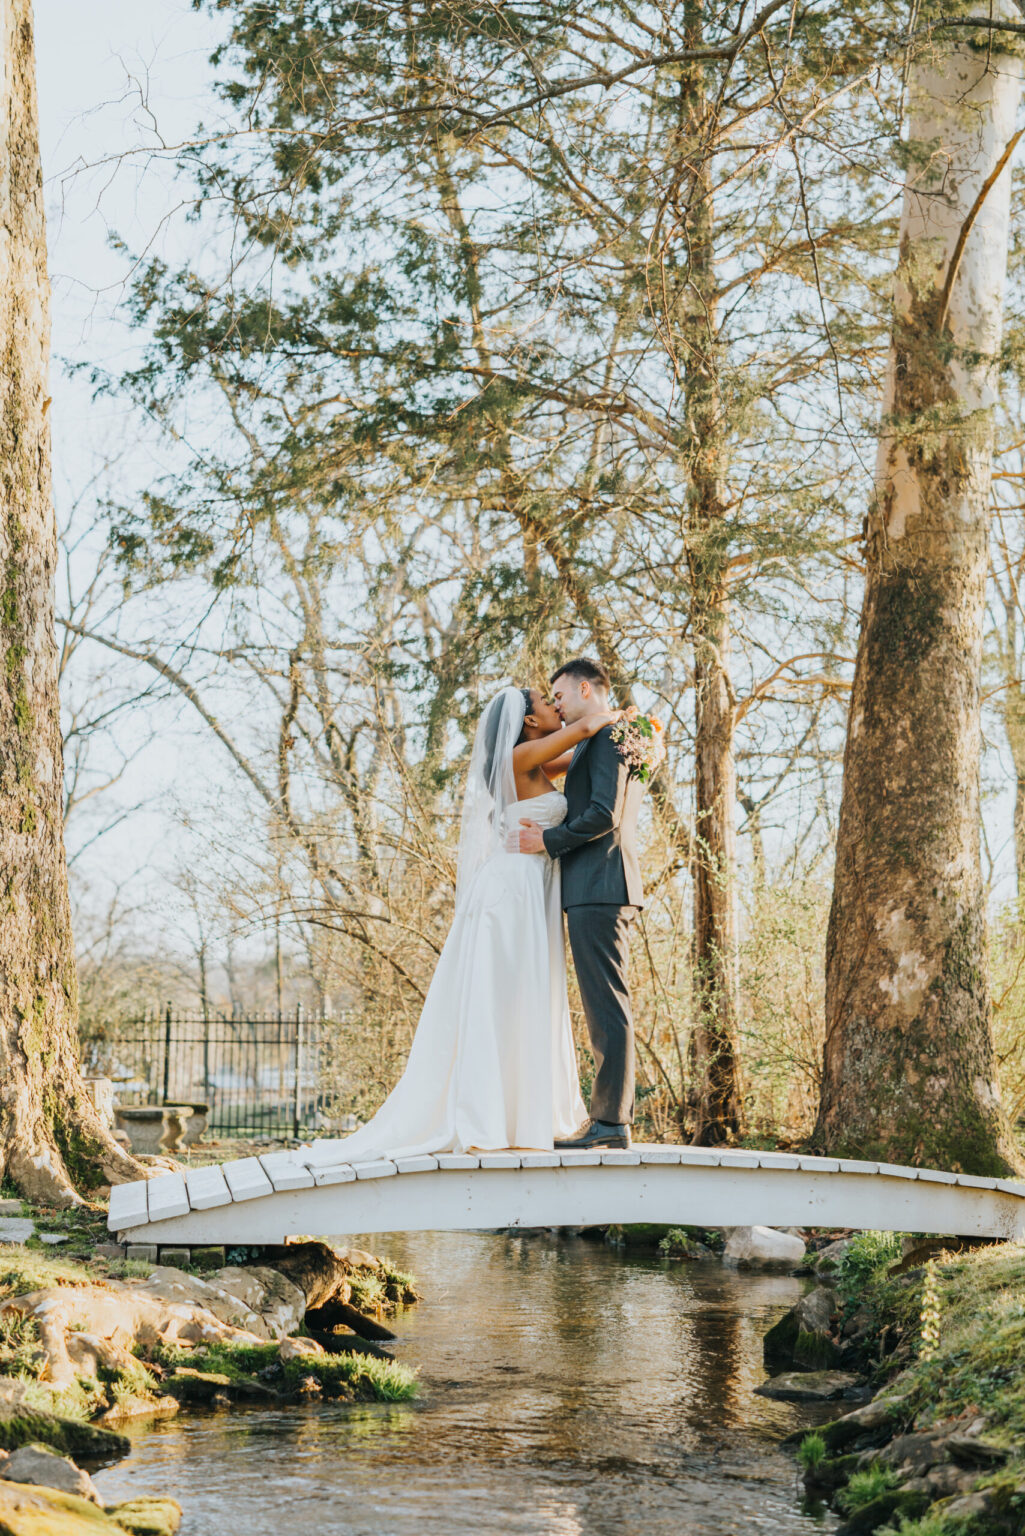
column 266, row 1199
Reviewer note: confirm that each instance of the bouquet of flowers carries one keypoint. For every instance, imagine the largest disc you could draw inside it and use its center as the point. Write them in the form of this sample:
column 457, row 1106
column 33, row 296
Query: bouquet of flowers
column 641, row 745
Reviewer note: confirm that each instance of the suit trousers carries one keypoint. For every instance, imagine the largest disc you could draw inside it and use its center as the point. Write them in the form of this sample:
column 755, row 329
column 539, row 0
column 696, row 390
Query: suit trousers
column 598, row 937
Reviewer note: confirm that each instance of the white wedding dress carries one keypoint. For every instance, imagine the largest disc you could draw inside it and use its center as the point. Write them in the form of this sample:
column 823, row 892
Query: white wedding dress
column 492, row 1063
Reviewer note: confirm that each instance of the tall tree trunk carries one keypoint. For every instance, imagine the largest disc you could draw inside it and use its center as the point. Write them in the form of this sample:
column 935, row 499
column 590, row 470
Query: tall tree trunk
column 715, row 1092
column 909, row 1070
column 50, row 1135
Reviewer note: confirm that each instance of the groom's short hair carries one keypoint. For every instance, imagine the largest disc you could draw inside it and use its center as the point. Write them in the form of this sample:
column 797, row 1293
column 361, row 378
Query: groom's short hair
column 584, row 667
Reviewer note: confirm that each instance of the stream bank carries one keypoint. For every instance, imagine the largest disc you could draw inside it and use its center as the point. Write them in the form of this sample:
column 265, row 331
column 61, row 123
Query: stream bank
column 90, row 1343
column 938, row 1338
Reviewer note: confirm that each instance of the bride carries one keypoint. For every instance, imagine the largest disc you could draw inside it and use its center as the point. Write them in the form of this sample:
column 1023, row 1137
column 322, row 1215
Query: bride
column 492, row 1063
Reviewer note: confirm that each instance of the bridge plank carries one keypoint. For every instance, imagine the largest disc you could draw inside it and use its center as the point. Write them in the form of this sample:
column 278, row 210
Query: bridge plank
column 1006, row 1186
column 425, row 1164
column 246, row 1179
column 788, row 1160
column 738, row 1160
column 284, row 1173
column 337, row 1173
column 820, row 1165
column 550, row 1160
column 500, row 1160
column 619, row 1157
column 857, row 1165
column 458, row 1160
column 936, row 1176
column 167, row 1196
column 207, row 1187
column 382, row 1168
column 654, row 1155
column 972, row 1181
column 128, row 1206
column 699, row 1157
column 897, row 1171
column 580, row 1159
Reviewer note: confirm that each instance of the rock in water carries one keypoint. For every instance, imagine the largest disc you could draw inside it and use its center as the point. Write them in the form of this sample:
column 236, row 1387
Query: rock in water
column 299, row 1349
column 147, row 1517
column 34, row 1511
column 808, row 1386
column 762, row 1247
column 39, row 1465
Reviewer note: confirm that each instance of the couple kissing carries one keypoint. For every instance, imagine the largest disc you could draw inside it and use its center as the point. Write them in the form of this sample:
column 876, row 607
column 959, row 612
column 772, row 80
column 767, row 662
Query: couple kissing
column 492, row 1065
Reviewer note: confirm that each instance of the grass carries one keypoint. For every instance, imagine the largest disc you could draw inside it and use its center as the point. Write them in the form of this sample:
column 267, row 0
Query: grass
column 929, row 1525
column 811, row 1451
column 977, row 1364
column 28, row 1269
column 399, row 1284
column 367, row 1290
column 361, row 1377
column 977, row 1300
column 867, row 1259
column 865, row 1487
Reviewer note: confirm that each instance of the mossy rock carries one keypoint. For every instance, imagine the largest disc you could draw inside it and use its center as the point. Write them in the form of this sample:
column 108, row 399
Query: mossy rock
column 639, row 1234
column 888, row 1509
column 853, row 1430
column 190, row 1386
column 832, row 1472
column 815, row 1351
column 778, row 1343
column 22, row 1425
column 147, row 1517
column 231, row 1368
column 29, row 1511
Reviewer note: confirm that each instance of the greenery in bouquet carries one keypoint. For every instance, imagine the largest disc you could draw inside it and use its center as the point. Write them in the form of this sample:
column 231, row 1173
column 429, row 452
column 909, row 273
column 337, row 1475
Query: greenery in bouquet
column 641, row 744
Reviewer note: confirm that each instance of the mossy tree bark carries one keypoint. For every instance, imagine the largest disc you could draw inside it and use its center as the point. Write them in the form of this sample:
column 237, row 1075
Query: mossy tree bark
column 909, row 1068
column 715, row 1090
column 50, row 1136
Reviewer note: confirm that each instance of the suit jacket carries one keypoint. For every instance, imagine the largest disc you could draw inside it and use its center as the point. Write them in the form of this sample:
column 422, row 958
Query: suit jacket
column 597, row 843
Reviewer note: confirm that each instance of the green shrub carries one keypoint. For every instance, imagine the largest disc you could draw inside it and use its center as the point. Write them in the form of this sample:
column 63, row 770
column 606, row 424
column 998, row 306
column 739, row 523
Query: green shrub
column 868, row 1258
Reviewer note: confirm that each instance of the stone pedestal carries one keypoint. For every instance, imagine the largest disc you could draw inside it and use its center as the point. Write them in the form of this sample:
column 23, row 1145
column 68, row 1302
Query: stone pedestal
column 200, row 1114
column 153, row 1128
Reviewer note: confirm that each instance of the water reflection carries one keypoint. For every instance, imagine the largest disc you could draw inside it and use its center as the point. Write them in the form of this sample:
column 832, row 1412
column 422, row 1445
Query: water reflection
column 568, row 1390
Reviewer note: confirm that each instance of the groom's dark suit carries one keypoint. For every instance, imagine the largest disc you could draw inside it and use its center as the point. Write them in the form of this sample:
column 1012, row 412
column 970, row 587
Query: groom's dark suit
column 602, row 894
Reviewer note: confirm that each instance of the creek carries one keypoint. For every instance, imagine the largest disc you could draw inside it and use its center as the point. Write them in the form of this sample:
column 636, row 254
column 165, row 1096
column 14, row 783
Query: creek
column 567, row 1389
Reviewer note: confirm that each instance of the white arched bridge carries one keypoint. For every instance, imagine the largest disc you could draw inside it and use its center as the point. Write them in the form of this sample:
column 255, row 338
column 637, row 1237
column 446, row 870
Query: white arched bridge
column 273, row 1197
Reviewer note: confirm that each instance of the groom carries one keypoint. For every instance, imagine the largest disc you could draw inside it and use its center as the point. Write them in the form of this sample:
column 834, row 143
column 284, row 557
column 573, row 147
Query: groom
column 601, row 894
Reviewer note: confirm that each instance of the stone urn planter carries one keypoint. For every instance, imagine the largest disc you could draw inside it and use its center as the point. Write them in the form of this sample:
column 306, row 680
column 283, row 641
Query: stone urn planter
column 153, row 1128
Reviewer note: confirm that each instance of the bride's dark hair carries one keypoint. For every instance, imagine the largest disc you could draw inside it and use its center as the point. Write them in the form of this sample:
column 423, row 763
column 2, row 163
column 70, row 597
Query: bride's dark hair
column 491, row 738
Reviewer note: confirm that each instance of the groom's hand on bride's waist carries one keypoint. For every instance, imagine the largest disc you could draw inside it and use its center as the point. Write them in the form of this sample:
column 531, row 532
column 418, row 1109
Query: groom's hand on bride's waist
column 529, row 840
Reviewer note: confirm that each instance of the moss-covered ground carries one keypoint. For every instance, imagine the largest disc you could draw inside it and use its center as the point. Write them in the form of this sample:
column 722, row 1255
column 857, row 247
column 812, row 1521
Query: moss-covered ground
column 245, row 1369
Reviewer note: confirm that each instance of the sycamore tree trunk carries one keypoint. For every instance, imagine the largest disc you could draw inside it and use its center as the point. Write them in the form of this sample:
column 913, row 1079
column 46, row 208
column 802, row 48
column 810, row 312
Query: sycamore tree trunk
column 50, row 1136
column 909, row 1070
column 715, row 1089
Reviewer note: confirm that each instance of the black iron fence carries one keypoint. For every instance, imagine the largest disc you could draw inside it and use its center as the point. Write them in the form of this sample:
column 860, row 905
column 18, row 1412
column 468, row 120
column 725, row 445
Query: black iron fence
column 273, row 1076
